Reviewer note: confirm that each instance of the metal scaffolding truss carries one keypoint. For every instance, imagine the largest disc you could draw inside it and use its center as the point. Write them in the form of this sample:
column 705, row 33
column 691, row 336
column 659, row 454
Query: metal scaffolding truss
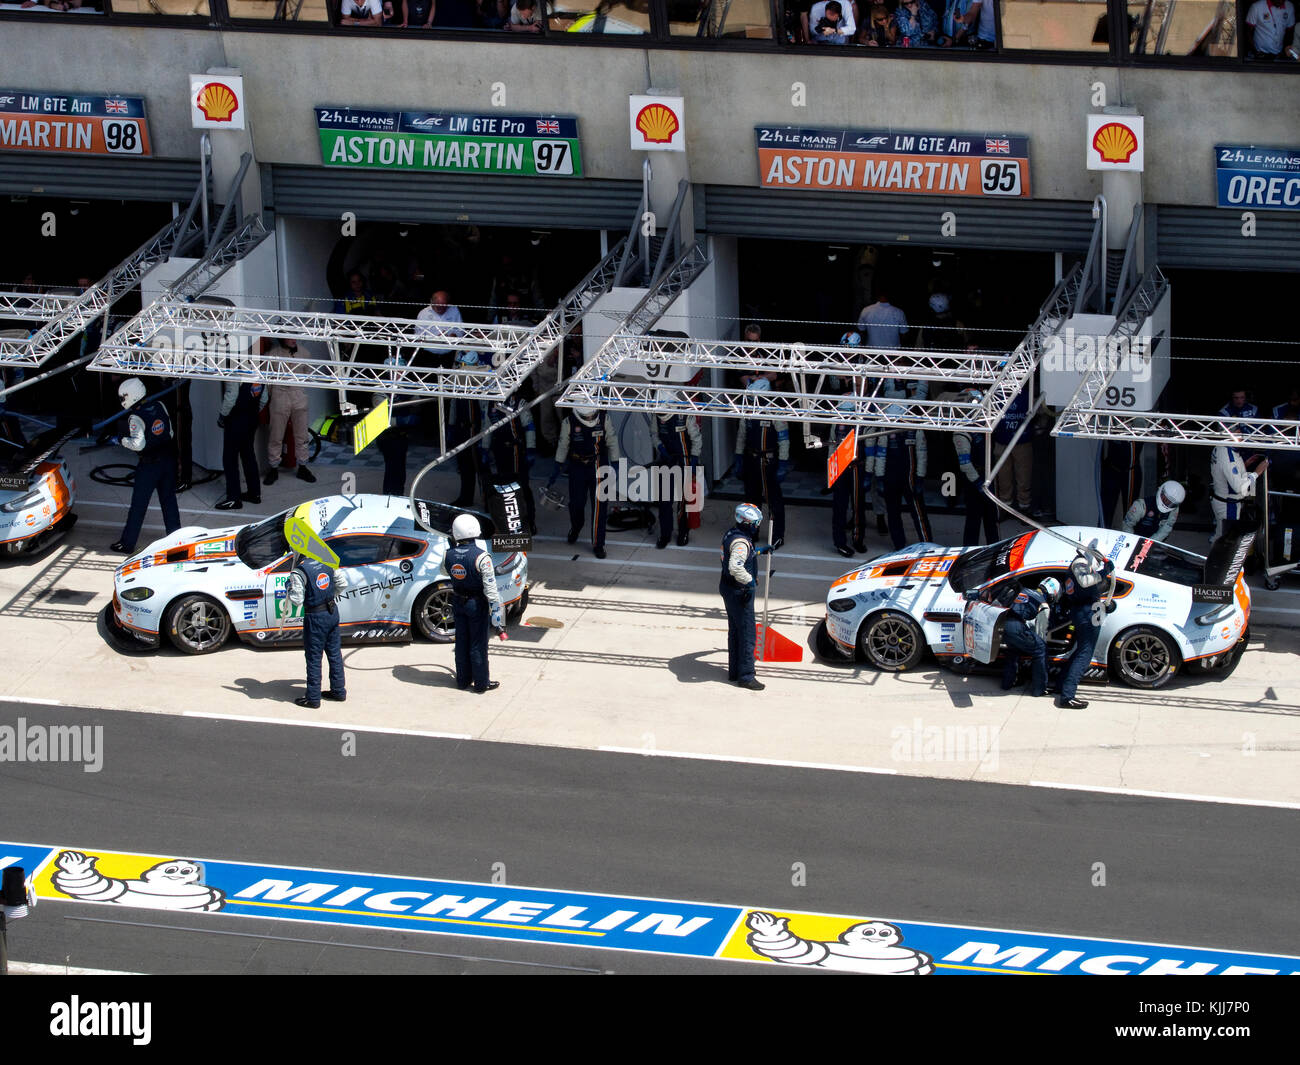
column 174, row 338
column 1002, row 376
column 32, row 307
column 1084, row 416
column 551, row 330
column 79, row 311
column 204, row 273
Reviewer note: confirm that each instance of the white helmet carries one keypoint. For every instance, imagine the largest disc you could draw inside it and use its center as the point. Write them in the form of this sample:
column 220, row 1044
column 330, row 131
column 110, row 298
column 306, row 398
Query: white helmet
column 587, row 415
column 666, row 395
column 131, row 392
column 465, row 527
column 1051, row 588
column 748, row 514
column 760, row 384
column 1170, row 497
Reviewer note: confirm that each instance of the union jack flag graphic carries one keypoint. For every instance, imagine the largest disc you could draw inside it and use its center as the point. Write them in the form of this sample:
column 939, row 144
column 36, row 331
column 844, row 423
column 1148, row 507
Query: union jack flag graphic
column 546, row 125
column 999, row 147
column 115, row 107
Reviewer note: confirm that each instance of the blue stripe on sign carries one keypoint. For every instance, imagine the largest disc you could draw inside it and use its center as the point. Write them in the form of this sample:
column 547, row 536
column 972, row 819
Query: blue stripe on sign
column 26, row 855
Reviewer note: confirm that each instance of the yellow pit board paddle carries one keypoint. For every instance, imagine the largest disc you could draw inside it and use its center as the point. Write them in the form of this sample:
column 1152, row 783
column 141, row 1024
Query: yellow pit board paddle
column 305, row 542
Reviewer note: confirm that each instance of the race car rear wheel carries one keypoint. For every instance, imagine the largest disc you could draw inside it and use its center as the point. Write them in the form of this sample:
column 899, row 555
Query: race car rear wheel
column 891, row 641
column 432, row 616
column 196, row 624
column 1144, row 657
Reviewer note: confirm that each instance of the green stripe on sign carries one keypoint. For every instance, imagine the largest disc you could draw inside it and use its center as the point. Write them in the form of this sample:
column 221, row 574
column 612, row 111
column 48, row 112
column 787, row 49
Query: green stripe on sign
column 531, row 156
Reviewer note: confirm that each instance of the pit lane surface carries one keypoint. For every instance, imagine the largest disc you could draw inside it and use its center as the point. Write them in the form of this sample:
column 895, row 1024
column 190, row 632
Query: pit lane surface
column 894, row 848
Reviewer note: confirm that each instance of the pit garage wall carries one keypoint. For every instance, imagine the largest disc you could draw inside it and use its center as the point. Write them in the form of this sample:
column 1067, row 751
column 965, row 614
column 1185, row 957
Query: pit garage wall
column 727, row 94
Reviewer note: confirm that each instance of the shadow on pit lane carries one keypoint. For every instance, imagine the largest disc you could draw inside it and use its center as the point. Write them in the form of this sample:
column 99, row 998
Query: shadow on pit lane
column 427, row 674
column 280, row 691
column 797, row 613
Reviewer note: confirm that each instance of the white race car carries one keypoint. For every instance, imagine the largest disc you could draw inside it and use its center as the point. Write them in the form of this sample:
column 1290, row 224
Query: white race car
column 1171, row 607
column 197, row 586
column 37, row 492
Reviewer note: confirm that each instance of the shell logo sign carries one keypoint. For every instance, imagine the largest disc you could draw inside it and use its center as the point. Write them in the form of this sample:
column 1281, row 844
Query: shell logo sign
column 1115, row 142
column 216, row 101
column 657, row 123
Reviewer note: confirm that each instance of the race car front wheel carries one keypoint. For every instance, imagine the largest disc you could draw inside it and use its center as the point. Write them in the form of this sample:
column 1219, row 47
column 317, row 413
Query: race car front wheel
column 1143, row 657
column 891, row 641
column 196, row 624
column 433, row 616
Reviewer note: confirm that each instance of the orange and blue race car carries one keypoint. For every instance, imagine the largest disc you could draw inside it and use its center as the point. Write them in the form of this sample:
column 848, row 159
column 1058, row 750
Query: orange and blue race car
column 37, row 492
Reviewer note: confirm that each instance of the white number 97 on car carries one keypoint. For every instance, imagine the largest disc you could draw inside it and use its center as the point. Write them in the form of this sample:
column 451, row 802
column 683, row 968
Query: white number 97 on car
column 1167, row 608
column 197, row 587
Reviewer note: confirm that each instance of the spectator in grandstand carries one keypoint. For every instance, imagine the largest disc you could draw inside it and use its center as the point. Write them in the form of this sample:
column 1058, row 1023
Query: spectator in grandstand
column 520, row 17
column 1290, row 410
column 361, row 13
column 832, row 22
column 981, row 22
column 438, row 320
column 916, row 25
column 953, row 30
column 454, row 14
column 419, row 14
column 879, row 30
column 513, row 312
column 1270, row 27
column 884, row 323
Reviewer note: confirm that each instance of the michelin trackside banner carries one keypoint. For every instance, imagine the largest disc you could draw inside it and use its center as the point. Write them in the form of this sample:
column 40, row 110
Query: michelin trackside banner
column 859, row 944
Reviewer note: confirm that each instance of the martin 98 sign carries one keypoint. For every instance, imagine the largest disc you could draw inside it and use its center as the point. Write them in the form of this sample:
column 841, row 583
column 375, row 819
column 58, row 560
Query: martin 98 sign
column 926, row 164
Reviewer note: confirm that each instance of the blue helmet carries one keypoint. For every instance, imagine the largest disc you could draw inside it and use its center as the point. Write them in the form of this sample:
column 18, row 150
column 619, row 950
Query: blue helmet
column 748, row 514
column 467, row 358
column 851, row 340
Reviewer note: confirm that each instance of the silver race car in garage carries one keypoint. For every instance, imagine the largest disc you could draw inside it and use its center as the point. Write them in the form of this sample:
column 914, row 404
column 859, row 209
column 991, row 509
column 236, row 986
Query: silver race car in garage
column 1171, row 608
column 198, row 586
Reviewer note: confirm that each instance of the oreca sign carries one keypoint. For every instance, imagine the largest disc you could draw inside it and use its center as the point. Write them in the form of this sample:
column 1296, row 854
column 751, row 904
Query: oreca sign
column 658, row 123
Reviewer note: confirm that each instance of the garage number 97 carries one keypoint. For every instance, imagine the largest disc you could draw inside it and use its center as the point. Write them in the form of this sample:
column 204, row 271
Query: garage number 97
column 1000, row 177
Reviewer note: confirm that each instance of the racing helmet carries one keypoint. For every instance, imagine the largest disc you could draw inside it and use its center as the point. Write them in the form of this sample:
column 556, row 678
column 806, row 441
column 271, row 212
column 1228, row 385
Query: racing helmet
column 465, row 527
column 748, row 516
column 759, row 384
column 939, row 303
column 851, row 340
column 1170, row 496
column 666, row 395
column 587, row 415
column 130, row 392
column 1051, row 588
column 467, row 358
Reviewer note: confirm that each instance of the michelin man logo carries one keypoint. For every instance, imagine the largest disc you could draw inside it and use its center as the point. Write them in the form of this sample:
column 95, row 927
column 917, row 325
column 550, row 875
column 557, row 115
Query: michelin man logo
column 172, row 885
column 870, row 947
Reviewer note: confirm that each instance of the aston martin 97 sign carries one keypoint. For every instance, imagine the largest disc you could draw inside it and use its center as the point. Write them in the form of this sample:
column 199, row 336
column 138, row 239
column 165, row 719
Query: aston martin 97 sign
column 76, row 123
column 528, row 145
column 871, row 160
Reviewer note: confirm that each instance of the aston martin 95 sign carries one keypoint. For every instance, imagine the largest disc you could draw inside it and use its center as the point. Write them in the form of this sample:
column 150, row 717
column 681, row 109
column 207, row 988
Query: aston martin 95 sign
column 528, row 145
column 873, row 160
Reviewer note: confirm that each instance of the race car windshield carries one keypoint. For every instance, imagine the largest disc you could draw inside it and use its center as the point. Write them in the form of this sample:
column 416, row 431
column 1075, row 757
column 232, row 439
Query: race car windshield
column 261, row 544
column 978, row 567
column 1153, row 559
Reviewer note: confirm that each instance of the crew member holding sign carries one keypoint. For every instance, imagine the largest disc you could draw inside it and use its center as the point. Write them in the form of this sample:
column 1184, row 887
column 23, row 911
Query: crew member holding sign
column 475, row 602
column 311, row 583
column 1084, row 588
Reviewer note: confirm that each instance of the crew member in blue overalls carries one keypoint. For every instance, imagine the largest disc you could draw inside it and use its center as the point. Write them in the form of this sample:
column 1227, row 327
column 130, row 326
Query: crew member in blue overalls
column 465, row 423
column 1155, row 516
column 476, row 603
column 900, row 463
column 679, row 447
column 512, row 447
column 762, row 457
column 241, row 407
column 587, row 442
column 737, row 586
column 849, row 493
column 1082, row 602
column 981, row 511
column 149, row 432
column 311, row 583
column 1022, row 637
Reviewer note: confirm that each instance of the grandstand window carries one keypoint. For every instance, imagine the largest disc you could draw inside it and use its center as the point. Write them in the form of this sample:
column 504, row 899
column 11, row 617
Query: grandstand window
column 171, row 8
column 621, row 17
column 715, row 19
column 1194, row 27
column 1056, row 25
column 278, row 10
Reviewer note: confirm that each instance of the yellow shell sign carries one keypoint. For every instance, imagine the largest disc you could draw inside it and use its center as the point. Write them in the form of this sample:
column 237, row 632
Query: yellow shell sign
column 657, row 123
column 1114, row 142
column 217, row 102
